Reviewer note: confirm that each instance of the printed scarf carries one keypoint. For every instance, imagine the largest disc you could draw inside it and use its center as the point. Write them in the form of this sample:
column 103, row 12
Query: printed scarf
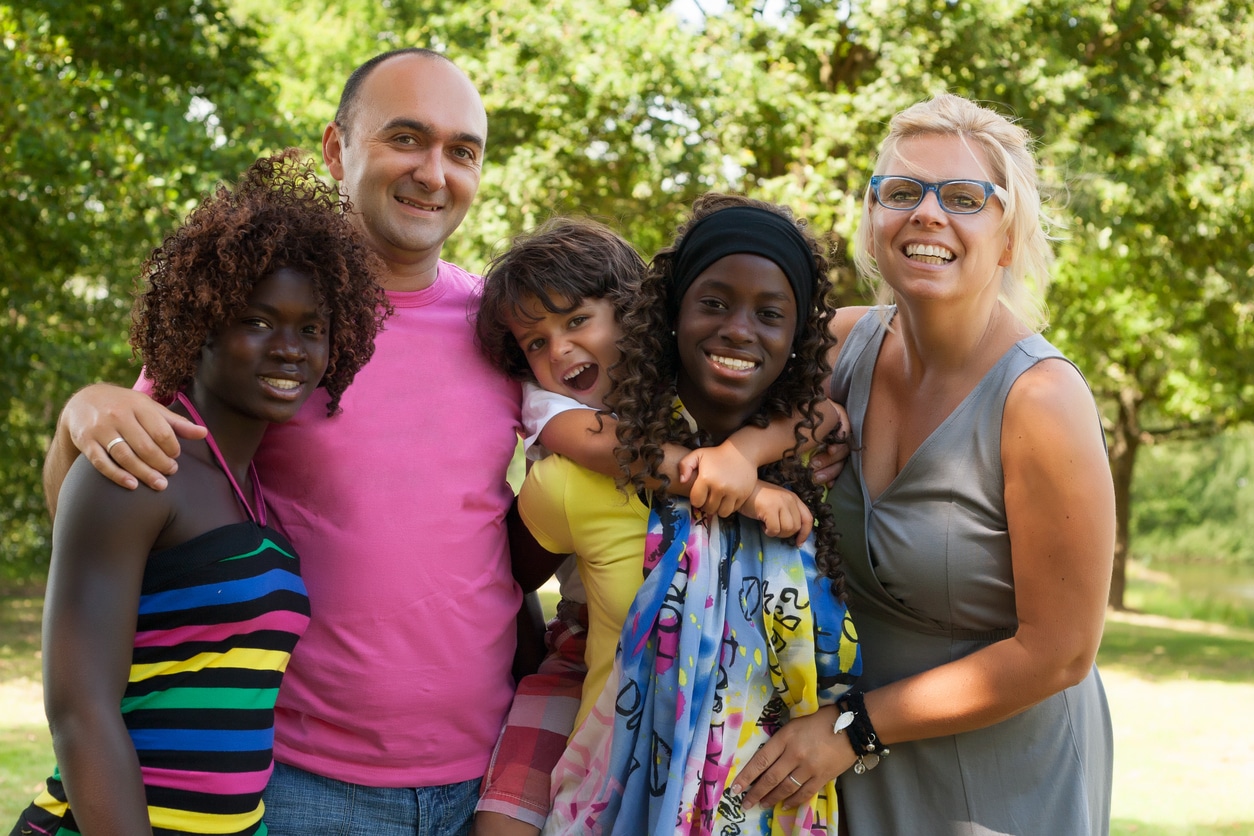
column 732, row 634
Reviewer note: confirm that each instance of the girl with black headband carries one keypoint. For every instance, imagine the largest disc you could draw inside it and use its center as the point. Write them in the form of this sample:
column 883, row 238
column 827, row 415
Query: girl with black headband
column 732, row 633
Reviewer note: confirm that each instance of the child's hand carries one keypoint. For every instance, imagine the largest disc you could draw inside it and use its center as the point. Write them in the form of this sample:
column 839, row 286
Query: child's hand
column 719, row 479
column 781, row 512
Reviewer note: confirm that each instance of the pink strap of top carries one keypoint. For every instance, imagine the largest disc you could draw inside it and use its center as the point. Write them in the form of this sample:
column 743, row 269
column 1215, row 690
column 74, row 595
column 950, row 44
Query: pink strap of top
column 259, row 517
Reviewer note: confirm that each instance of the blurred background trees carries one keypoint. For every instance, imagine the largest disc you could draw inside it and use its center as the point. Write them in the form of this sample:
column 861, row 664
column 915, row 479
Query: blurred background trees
column 117, row 115
column 114, row 117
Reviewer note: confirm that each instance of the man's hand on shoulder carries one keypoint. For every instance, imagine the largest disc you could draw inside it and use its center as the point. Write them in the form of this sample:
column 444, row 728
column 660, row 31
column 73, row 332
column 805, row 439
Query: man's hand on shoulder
column 126, row 435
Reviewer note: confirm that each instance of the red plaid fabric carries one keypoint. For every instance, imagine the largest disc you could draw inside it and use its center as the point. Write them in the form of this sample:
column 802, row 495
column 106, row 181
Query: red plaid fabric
column 539, row 723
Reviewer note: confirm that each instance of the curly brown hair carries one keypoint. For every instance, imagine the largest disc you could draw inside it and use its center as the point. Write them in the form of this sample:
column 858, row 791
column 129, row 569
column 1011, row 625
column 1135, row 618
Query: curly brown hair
column 280, row 214
column 644, row 391
column 562, row 263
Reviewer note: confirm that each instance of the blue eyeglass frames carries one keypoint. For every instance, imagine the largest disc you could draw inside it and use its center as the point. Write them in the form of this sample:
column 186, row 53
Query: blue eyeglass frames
column 957, row 197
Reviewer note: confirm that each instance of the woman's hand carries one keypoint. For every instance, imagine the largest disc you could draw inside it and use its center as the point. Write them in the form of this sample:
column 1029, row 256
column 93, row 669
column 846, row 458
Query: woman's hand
column 829, row 457
column 796, row 763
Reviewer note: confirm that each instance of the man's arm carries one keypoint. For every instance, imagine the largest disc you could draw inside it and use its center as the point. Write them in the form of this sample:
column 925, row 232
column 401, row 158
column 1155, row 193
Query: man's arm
column 97, row 415
column 61, row 454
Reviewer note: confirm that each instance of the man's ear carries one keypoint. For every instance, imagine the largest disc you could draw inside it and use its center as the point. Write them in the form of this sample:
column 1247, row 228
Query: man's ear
column 332, row 150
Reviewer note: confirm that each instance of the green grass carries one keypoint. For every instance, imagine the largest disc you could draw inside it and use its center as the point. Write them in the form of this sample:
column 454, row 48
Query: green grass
column 19, row 637
column 25, row 761
column 1181, row 697
column 25, row 745
column 1158, row 589
column 1182, row 705
column 1155, row 654
column 1184, row 756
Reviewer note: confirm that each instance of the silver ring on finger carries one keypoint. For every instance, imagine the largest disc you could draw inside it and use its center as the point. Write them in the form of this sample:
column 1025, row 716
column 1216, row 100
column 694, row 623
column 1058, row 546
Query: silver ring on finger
column 795, row 781
column 115, row 442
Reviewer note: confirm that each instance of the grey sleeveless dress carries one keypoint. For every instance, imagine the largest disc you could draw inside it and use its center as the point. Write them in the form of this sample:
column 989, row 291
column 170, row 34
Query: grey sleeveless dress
column 929, row 573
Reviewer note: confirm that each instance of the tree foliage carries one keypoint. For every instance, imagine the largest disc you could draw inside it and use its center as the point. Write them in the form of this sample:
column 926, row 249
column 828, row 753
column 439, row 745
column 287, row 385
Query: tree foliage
column 1194, row 500
column 116, row 116
column 626, row 110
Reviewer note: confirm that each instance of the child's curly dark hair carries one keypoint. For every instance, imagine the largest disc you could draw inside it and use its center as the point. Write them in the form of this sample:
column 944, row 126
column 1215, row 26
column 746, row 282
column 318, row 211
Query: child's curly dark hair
column 562, row 263
column 644, row 393
column 280, row 214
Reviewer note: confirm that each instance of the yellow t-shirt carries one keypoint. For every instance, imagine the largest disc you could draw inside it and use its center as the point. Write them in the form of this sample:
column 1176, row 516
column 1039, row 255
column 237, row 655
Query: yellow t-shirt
column 569, row 508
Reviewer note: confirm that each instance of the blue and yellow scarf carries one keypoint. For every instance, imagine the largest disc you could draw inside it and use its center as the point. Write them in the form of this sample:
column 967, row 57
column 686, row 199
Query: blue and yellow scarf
column 731, row 635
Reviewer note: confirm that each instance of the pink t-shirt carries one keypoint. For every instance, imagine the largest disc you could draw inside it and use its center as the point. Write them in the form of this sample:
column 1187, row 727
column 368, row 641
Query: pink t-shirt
column 397, row 508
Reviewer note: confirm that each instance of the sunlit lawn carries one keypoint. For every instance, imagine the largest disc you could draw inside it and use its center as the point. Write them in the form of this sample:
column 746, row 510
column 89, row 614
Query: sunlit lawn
column 1181, row 694
column 1182, row 702
column 25, row 745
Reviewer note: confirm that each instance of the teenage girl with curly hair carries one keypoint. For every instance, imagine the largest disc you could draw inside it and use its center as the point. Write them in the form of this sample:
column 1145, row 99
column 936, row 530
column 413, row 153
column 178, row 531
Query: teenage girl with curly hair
column 652, row 372
column 170, row 616
column 733, row 633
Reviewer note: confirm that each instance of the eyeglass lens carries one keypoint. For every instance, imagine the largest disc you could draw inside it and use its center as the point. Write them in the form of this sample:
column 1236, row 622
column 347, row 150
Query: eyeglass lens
column 961, row 197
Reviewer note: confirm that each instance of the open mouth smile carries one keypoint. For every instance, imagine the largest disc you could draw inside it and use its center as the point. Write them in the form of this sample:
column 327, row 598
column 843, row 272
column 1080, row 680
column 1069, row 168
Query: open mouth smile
column 282, row 387
column 582, row 377
column 733, row 363
column 929, row 253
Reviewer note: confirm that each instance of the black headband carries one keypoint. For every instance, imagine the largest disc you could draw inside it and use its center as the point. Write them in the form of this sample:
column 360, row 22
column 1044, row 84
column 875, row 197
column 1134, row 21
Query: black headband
column 746, row 229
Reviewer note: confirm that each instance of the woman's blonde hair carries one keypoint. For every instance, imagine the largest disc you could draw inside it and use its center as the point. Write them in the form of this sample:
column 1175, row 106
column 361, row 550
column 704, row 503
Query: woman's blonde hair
column 1008, row 149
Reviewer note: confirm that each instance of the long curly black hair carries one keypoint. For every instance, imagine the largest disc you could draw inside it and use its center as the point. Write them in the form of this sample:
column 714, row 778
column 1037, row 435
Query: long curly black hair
column 280, row 214
column 644, row 393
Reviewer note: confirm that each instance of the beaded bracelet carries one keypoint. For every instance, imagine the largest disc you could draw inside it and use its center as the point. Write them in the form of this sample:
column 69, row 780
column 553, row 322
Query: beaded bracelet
column 862, row 737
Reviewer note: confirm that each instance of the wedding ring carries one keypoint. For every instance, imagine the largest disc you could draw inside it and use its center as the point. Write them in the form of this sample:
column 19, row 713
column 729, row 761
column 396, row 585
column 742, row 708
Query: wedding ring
column 795, row 781
column 109, row 447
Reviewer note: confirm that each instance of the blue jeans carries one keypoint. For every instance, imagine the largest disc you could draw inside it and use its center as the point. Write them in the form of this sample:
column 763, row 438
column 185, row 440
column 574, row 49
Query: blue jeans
column 300, row 803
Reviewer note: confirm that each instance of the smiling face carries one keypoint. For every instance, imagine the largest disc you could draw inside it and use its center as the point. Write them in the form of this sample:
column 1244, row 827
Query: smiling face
column 267, row 361
column 734, row 333
column 926, row 253
column 570, row 353
column 410, row 160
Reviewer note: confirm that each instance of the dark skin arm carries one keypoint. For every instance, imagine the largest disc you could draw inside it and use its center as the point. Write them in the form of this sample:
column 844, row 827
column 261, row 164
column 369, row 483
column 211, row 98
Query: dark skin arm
column 101, row 542
column 532, row 563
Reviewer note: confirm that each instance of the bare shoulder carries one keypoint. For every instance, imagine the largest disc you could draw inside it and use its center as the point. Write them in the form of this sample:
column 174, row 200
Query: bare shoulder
column 87, row 490
column 1050, row 403
column 842, row 323
column 105, row 524
column 845, row 318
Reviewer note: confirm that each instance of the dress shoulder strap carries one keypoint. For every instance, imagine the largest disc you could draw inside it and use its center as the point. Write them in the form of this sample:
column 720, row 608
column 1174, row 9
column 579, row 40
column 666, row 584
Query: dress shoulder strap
column 259, row 515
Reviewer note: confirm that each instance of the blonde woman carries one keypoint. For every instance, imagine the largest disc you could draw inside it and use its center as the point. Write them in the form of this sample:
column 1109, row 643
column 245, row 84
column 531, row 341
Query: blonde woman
column 976, row 513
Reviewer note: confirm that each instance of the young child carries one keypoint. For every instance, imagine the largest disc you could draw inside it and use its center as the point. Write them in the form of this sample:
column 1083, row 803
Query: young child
column 170, row 616
column 733, row 632
column 550, row 316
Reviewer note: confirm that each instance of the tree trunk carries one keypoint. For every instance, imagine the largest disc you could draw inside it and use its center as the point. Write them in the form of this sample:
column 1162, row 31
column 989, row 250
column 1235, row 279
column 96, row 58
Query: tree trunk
column 1125, row 441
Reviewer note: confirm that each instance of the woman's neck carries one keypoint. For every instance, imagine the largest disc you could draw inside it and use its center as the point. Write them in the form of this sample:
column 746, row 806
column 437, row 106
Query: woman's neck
column 943, row 339
column 237, row 435
column 714, row 421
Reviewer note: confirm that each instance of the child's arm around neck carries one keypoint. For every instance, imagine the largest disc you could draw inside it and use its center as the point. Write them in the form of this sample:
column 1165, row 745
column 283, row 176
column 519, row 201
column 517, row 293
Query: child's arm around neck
column 720, row 480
